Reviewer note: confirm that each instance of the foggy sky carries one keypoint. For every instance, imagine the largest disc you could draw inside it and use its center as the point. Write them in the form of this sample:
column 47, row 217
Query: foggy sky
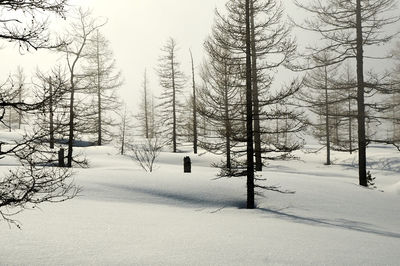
column 137, row 29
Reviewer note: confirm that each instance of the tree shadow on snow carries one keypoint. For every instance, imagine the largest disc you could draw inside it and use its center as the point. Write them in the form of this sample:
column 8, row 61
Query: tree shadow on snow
column 172, row 198
column 338, row 223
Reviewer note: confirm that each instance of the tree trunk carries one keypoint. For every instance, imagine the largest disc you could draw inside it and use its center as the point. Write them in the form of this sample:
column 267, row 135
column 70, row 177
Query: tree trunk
column 51, row 115
column 249, row 115
column 328, row 140
column 257, row 129
column 227, row 122
column 123, row 133
column 173, row 103
column 350, row 127
column 71, row 124
column 99, row 122
column 19, row 111
column 194, row 108
column 10, row 120
column 146, row 110
column 362, row 149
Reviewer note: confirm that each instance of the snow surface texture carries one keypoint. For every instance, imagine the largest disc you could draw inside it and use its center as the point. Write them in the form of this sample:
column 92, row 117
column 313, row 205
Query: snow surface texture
column 126, row 216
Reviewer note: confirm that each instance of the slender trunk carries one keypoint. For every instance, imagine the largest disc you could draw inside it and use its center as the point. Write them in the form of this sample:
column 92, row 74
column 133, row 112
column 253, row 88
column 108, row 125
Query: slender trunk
column 350, row 127
column 277, row 131
column 71, row 123
column 227, row 121
column 19, row 111
column 256, row 108
column 99, row 107
column 10, row 120
column 51, row 115
column 362, row 145
column 123, row 133
column 146, row 110
column 152, row 119
column 173, row 103
column 328, row 140
column 194, row 108
column 286, row 128
column 249, row 116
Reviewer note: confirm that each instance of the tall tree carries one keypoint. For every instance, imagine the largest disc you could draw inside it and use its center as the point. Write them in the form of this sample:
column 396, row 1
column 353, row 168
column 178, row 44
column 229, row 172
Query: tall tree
column 348, row 28
column 105, row 79
column 172, row 80
column 317, row 97
column 249, row 114
column 29, row 185
column 125, row 130
column 194, row 103
column 219, row 103
column 145, row 112
column 270, row 45
column 75, row 51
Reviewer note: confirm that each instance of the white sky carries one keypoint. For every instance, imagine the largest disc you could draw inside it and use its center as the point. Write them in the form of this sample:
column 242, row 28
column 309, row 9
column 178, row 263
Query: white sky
column 137, row 30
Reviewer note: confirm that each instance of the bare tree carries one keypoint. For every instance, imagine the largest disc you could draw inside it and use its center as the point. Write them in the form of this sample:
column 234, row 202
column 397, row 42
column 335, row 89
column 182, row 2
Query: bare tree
column 271, row 46
column 105, row 79
column 146, row 153
column 317, row 97
column 194, row 106
column 145, row 106
column 125, row 130
column 172, row 80
column 219, row 103
column 33, row 183
column 21, row 23
column 75, row 51
column 348, row 28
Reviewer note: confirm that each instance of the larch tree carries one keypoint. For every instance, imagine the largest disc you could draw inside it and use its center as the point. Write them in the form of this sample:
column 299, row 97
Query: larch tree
column 172, row 80
column 349, row 27
column 316, row 96
column 76, row 51
column 31, row 184
column 145, row 109
column 219, row 103
column 125, row 130
column 270, row 45
column 105, row 79
column 194, row 106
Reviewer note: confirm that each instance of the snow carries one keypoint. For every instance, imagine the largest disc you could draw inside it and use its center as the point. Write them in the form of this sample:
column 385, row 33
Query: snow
column 126, row 216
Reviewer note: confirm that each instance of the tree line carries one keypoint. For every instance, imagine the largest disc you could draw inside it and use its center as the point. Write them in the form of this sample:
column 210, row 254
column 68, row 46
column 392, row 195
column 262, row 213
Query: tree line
column 230, row 104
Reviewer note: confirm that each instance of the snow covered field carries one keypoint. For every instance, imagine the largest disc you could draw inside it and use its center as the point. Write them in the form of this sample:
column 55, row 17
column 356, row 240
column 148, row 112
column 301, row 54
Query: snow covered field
column 126, row 216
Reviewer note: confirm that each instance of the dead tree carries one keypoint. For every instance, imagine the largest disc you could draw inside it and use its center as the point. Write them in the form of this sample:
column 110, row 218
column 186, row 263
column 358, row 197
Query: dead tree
column 219, row 103
column 144, row 115
column 270, row 45
column 75, row 51
column 172, row 80
column 194, row 106
column 348, row 28
column 125, row 130
column 22, row 25
column 105, row 79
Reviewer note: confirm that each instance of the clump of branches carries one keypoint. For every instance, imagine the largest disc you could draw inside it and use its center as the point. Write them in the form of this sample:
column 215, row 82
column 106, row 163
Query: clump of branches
column 239, row 169
column 146, row 153
column 36, row 181
column 30, row 185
